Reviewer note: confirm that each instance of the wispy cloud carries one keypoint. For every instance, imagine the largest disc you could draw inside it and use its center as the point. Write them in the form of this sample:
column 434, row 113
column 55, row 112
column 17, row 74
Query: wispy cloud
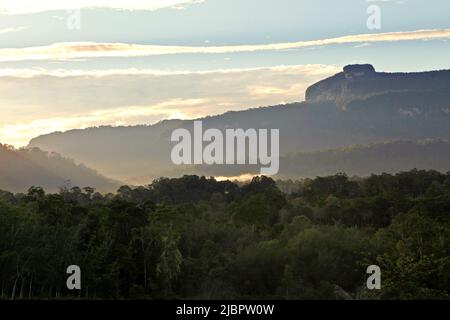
column 63, row 100
column 9, row 30
column 310, row 69
column 20, row 133
column 78, row 50
column 34, row 6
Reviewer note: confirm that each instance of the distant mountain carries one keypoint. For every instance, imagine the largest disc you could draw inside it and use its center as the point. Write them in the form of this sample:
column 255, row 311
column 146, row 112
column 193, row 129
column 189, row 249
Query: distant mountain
column 388, row 157
column 362, row 81
column 21, row 169
column 356, row 107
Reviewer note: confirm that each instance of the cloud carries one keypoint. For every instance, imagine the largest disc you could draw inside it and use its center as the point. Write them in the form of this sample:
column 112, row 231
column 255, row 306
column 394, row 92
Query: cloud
column 20, row 133
column 9, row 30
column 78, row 50
column 62, row 100
column 312, row 69
column 35, row 6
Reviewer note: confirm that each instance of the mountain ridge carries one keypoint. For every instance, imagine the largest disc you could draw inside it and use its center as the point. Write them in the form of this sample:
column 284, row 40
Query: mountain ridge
column 125, row 153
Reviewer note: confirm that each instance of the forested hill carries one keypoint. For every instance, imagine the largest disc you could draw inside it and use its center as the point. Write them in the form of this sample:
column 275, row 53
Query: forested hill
column 21, row 169
column 390, row 157
column 387, row 157
column 137, row 154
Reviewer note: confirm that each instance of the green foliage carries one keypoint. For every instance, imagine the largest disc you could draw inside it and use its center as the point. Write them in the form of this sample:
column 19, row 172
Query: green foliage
column 195, row 237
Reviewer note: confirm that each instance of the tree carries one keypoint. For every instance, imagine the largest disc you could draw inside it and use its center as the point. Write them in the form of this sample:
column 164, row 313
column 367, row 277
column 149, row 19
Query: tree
column 169, row 264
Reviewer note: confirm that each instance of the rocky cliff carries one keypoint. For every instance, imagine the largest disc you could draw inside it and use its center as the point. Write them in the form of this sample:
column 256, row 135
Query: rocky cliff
column 362, row 81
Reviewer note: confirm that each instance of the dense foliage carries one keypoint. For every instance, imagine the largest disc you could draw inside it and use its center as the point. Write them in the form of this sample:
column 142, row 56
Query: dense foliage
column 195, row 237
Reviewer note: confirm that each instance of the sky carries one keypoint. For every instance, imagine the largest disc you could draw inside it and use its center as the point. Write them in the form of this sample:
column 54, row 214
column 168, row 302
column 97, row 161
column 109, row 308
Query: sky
column 77, row 64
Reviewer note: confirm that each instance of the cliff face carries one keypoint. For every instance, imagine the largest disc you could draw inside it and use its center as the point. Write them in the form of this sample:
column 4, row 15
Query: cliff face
column 362, row 81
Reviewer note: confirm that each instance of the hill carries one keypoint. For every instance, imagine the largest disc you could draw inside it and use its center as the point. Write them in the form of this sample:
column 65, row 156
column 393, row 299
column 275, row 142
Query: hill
column 362, row 81
column 359, row 160
column 21, row 169
column 137, row 154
